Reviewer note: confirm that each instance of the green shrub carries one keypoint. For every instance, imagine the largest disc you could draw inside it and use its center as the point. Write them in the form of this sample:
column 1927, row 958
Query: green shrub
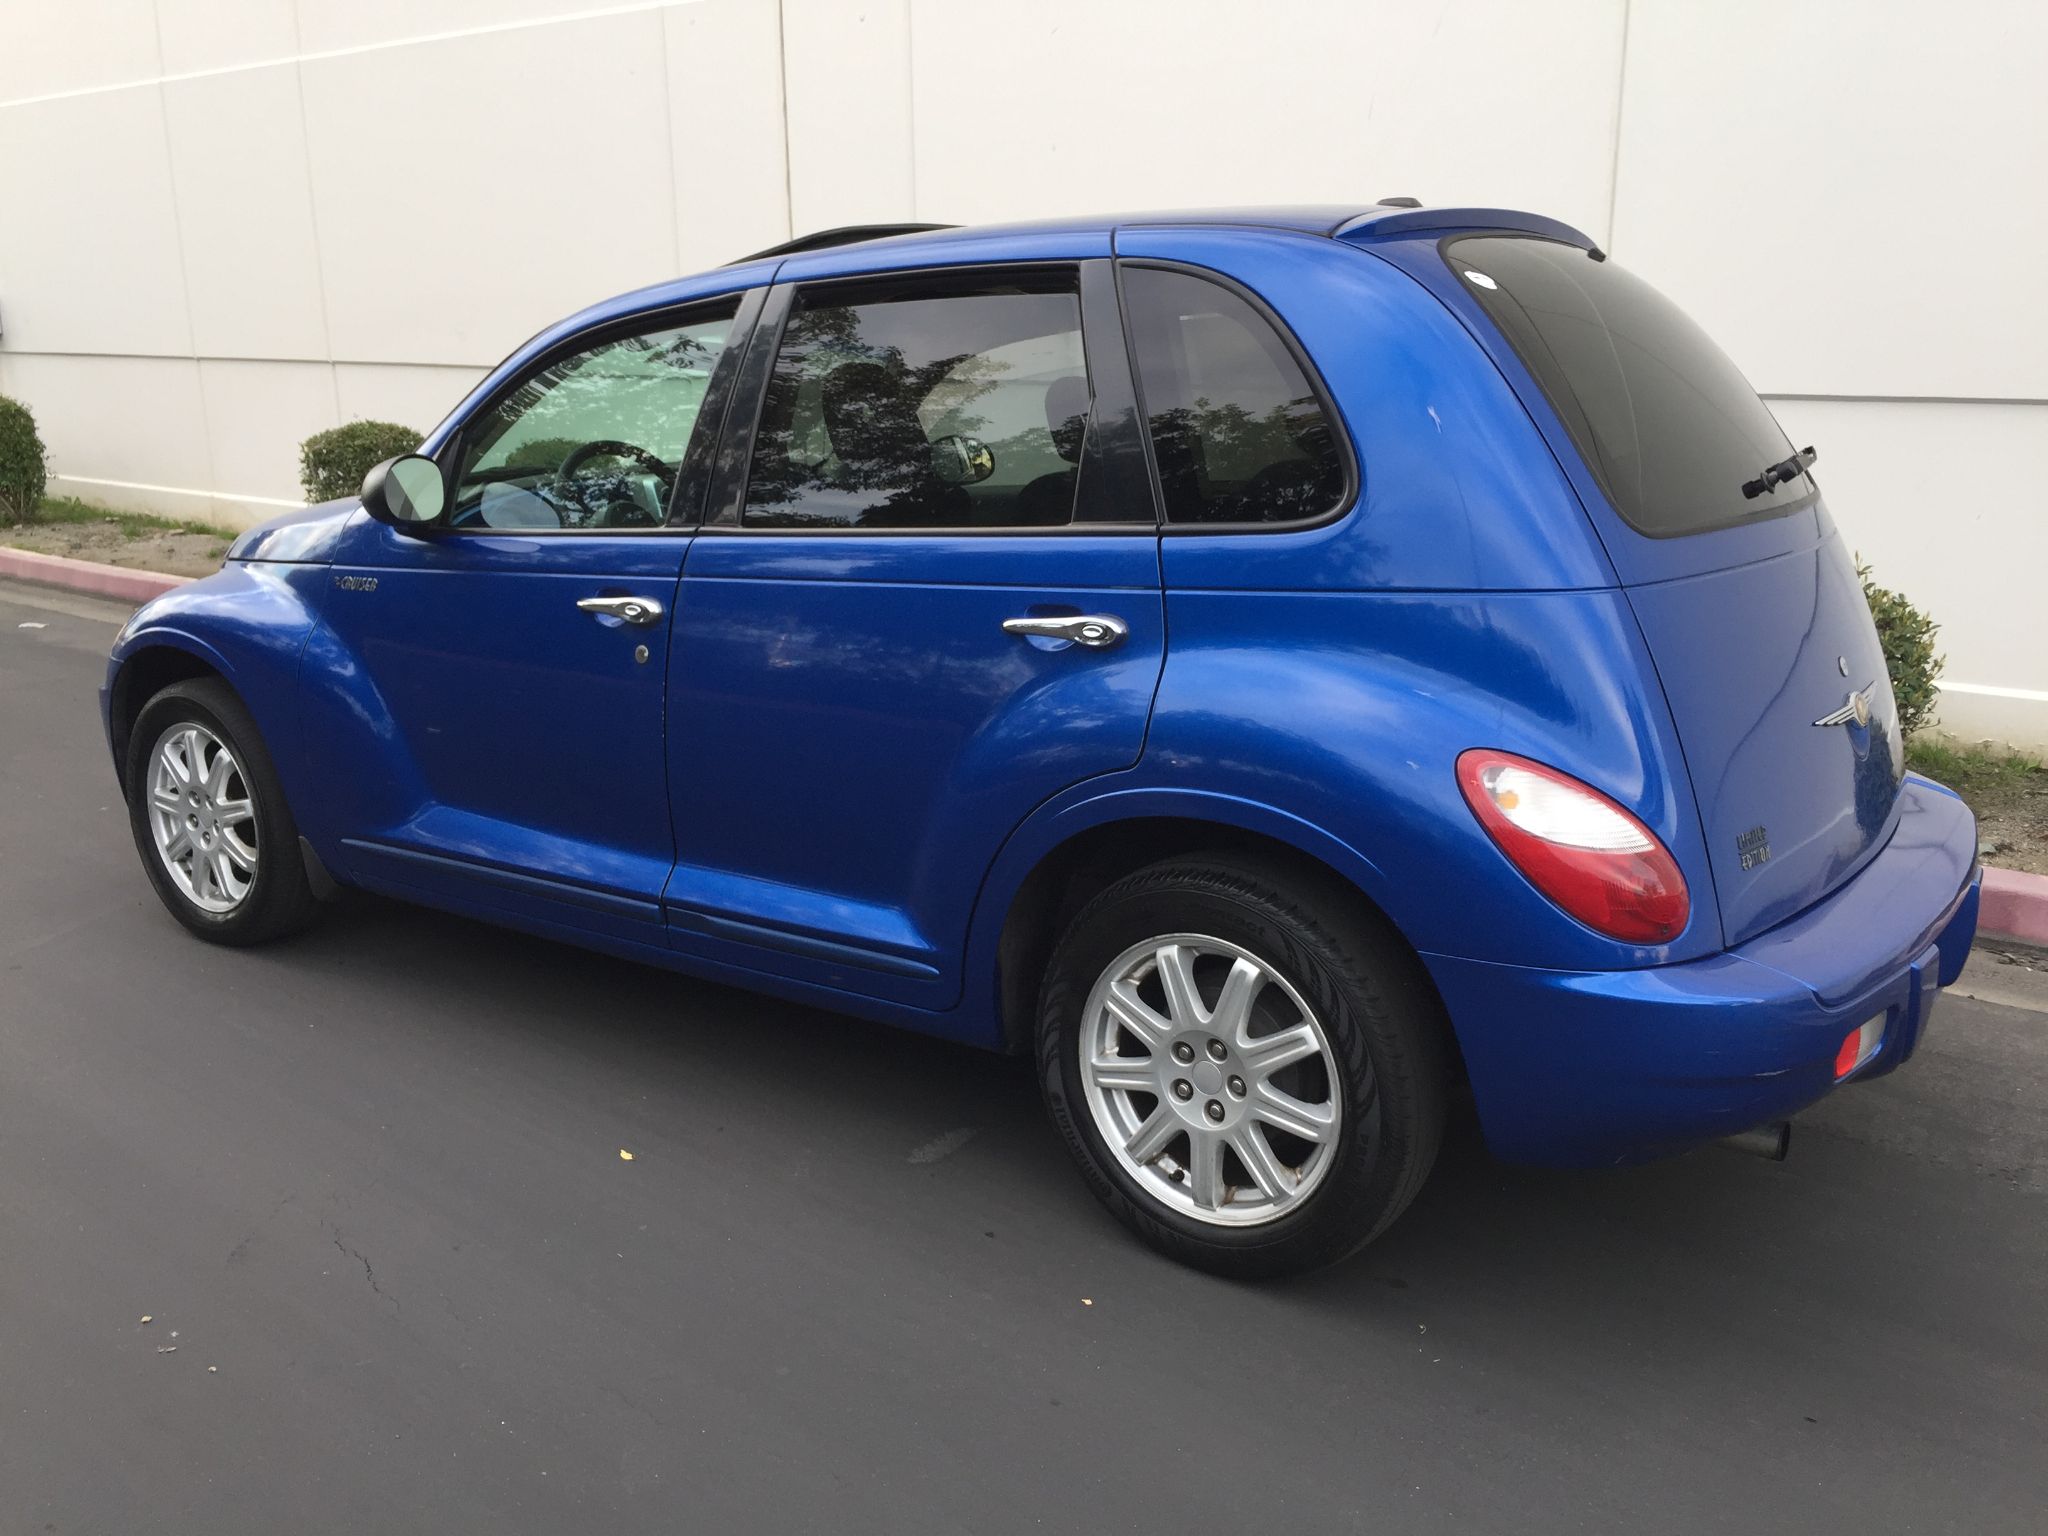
column 24, row 470
column 333, row 463
column 1907, row 635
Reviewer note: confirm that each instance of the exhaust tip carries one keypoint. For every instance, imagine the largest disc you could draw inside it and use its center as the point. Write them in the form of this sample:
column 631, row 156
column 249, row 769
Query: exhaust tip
column 1772, row 1142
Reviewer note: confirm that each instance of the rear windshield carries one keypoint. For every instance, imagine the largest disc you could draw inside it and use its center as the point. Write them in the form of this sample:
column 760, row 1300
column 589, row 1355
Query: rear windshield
column 1661, row 416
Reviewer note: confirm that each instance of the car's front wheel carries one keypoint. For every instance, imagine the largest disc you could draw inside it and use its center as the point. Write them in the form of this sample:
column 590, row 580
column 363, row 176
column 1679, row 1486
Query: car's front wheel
column 210, row 819
column 1248, row 1066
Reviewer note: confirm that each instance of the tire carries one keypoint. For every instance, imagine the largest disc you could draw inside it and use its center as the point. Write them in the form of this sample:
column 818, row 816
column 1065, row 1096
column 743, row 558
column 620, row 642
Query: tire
column 1374, row 1092
column 254, row 907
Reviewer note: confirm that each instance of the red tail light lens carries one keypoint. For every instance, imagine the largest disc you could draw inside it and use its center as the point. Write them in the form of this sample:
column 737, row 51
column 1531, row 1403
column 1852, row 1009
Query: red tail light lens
column 1577, row 847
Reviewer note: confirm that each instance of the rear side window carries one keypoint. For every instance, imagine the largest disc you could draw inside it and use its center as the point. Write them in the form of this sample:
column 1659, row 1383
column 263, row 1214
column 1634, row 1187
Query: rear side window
column 1237, row 430
column 925, row 404
column 1664, row 420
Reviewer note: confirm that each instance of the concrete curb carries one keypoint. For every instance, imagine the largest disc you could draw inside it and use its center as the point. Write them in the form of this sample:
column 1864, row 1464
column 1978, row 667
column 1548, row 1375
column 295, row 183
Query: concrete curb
column 2014, row 906
column 86, row 576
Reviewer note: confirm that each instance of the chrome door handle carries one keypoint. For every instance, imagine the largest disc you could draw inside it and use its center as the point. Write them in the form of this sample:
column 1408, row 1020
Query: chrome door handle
column 630, row 610
column 1098, row 631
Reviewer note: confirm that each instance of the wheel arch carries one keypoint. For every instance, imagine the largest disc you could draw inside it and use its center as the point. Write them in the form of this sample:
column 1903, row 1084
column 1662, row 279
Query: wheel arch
column 1060, row 858
column 146, row 665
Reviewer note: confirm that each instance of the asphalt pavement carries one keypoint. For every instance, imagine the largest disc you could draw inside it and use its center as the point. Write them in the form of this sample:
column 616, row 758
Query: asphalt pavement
column 367, row 1187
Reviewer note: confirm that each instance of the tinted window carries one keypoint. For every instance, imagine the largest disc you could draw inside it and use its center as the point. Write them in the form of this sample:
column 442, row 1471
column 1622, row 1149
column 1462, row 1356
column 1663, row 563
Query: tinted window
column 1662, row 417
column 593, row 440
column 915, row 405
column 1237, row 431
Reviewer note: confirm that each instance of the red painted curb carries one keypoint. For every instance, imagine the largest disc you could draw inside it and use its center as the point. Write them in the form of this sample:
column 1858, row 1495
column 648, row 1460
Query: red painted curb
column 86, row 576
column 2014, row 906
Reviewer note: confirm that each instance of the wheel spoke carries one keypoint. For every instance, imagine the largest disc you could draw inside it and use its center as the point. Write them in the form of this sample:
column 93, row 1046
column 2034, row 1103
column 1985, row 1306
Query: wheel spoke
column 1274, row 1178
column 234, row 812
column 1125, row 1074
column 223, row 770
column 166, row 798
column 1153, row 1136
column 1267, row 1054
column 1283, row 1111
column 1241, row 989
column 195, row 757
column 239, row 854
column 233, row 884
column 1205, row 1169
column 1177, row 978
column 177, row 845
column 1137, row 1016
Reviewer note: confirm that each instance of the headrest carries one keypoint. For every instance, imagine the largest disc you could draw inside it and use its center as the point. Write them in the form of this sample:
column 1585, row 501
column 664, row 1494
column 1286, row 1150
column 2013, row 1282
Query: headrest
column 1067, row 403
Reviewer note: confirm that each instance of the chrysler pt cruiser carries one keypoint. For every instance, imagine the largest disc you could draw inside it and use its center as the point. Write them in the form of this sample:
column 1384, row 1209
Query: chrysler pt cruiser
column 1282, row 669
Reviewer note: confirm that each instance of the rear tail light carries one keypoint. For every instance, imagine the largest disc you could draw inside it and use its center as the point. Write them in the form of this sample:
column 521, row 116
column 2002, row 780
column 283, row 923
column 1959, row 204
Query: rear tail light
column 1577, row 847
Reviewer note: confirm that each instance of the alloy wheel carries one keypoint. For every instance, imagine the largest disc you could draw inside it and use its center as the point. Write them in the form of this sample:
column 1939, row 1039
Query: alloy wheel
column 1210, row 1079
column 203, row 818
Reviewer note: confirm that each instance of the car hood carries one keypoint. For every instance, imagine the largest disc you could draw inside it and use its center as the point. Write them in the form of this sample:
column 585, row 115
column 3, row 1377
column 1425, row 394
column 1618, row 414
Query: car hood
column 304, row 537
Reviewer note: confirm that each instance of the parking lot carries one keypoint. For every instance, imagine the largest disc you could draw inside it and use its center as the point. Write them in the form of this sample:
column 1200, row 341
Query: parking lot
column 368, row 1187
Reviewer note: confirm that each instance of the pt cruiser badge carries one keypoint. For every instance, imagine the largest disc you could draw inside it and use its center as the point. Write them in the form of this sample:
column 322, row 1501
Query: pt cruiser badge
column 1857, row 708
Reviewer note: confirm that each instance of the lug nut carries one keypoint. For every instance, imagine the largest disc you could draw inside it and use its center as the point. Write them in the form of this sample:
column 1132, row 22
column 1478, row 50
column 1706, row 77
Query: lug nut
column 1215, row 1110
column 1216, row 1051
column 1237, row 1087
column 1182, row 1051
column 1183, row 1089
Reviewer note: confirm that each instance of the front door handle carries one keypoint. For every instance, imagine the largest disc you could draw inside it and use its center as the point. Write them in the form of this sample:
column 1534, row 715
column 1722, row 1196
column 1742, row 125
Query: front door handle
column 1098, row 631
column 630, row 610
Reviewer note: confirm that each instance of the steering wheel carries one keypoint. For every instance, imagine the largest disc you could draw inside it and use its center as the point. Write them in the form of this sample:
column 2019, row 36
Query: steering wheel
column 611, row 448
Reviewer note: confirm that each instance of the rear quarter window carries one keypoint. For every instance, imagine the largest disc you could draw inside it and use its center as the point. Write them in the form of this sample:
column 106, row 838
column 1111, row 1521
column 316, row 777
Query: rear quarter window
column 1662, row 417
column 1239, row 433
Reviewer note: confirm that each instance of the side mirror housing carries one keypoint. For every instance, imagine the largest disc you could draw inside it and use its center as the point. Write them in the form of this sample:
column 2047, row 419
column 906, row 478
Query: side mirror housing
column 406, row 492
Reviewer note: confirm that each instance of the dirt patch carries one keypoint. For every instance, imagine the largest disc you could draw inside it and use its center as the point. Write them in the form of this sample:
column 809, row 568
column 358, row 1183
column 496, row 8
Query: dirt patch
column 2012, row 826
column 2008, row 792
column 123, row 542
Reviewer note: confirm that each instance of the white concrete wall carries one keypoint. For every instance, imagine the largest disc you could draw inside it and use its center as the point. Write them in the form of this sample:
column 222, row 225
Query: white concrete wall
column 225, row 223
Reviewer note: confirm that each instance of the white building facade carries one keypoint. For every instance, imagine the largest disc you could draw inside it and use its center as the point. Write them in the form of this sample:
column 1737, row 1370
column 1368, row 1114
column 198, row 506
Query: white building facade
column 225, row 224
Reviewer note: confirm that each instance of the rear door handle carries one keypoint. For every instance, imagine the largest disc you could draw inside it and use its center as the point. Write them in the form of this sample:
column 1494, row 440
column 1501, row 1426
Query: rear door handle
column 1098, row 631
column 630, row 610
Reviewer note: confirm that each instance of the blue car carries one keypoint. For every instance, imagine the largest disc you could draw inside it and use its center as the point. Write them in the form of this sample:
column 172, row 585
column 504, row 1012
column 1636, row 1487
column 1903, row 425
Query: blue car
column 1288, row 670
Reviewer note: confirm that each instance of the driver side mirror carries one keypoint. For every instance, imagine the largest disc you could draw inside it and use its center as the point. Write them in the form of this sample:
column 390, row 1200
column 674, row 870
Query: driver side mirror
column 405, row 492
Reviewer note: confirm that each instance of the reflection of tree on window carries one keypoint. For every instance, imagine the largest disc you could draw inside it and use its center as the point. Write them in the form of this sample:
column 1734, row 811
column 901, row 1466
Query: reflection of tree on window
column 861, row 393
column 1221, row 464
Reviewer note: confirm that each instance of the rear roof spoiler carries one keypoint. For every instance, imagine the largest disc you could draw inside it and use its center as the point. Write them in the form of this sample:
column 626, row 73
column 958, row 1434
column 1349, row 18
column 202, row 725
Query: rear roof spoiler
column 1396, row 223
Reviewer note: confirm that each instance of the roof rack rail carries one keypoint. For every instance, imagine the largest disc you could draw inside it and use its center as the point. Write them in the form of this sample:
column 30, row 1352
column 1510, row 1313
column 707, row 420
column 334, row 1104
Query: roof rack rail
column 845, row 234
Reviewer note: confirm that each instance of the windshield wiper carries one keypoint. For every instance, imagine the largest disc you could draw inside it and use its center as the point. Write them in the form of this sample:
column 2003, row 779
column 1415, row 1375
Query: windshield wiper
column 1779, row 473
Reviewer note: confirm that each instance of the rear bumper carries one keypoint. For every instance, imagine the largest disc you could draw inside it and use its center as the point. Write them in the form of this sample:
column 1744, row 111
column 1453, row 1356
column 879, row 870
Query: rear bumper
column 1587, row 1068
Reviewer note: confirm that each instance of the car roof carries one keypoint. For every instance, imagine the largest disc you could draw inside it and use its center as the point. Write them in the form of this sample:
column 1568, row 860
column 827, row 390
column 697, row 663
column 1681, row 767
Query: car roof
column 851, row 248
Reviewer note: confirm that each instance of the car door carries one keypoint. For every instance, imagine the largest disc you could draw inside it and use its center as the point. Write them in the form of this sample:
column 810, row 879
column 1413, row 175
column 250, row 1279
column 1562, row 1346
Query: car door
column 507, row 665
column 926, row 601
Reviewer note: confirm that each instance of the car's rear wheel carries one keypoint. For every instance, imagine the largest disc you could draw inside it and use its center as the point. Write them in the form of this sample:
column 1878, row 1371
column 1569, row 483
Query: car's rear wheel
column 210, row 819
column 1247, row 1065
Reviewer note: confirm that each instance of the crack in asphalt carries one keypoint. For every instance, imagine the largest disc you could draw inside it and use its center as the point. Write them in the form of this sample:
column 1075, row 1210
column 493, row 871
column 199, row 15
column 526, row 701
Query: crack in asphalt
column 369, row 1274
